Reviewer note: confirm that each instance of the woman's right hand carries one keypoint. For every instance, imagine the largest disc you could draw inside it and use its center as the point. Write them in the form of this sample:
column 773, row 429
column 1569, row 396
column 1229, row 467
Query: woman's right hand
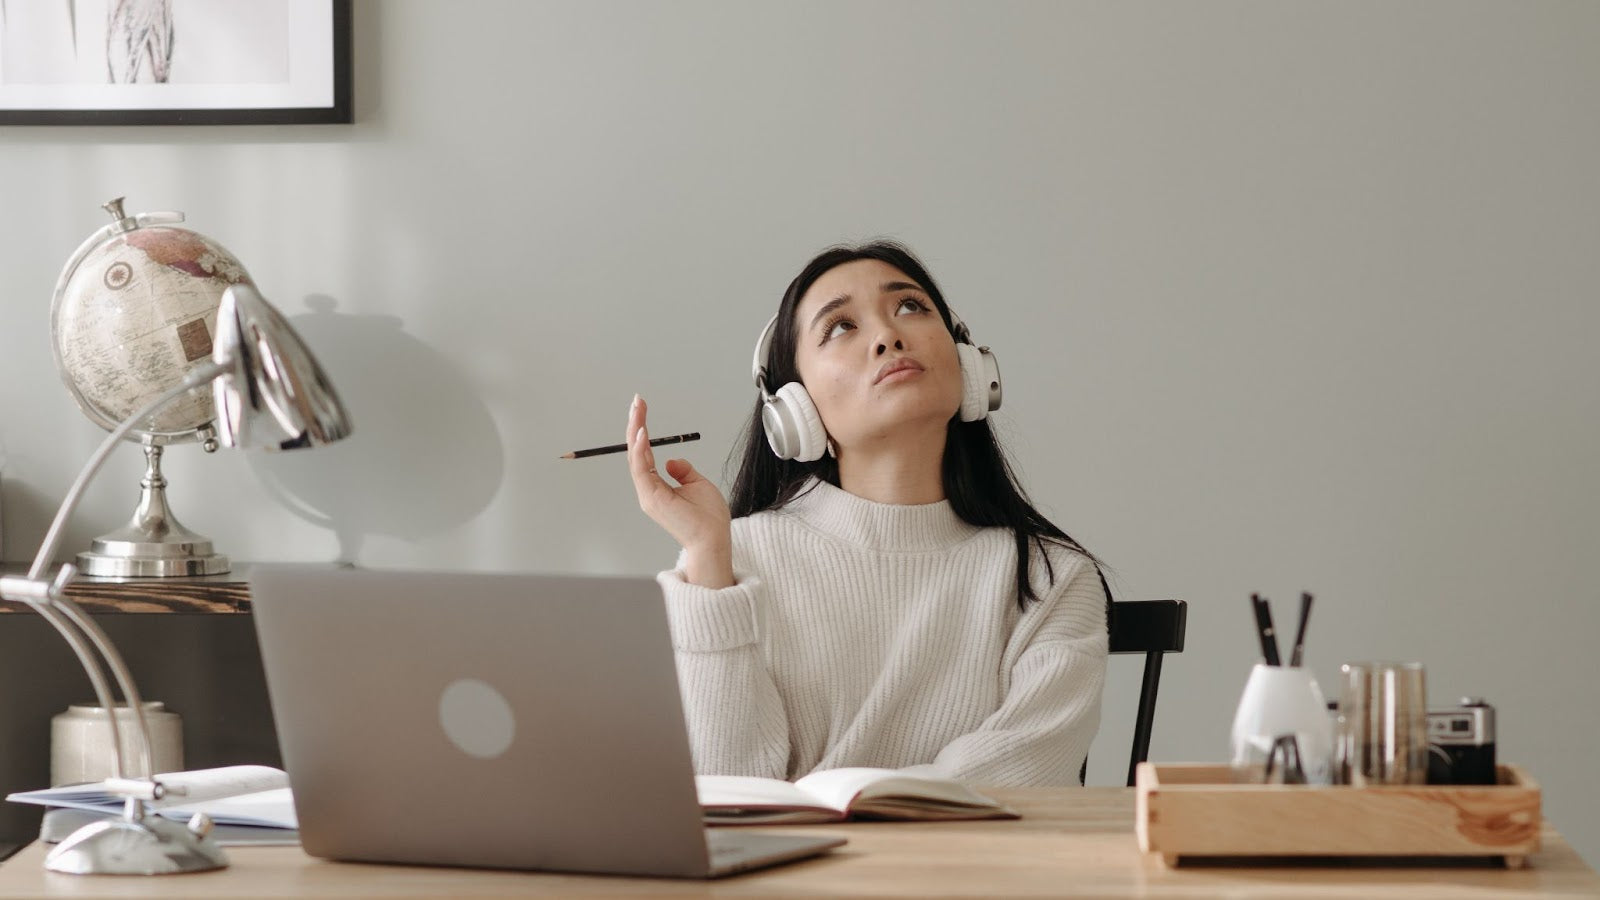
column 694, row 512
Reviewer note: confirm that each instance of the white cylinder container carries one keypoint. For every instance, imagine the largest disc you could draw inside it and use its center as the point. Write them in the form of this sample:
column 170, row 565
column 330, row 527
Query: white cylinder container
column 80, row 742
column 1279, row 701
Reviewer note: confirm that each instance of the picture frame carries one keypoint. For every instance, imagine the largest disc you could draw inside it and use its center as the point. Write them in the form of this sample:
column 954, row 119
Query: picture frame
column 175, row 62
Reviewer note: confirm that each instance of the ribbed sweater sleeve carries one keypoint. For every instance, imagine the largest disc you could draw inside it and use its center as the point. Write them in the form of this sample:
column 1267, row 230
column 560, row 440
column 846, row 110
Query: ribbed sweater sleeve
column 1041, row 733
column 735, row 716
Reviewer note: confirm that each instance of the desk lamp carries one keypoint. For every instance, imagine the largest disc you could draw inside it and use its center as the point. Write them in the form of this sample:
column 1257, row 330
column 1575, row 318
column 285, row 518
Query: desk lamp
column 271, row 394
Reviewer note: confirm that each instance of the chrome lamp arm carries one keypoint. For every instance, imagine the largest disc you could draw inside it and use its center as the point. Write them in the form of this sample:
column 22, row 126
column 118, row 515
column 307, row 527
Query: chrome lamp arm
column 269, row 393
column 48, row 598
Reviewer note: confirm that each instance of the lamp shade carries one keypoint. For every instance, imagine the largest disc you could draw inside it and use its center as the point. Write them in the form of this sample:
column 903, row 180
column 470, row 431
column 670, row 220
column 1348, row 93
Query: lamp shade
column 274, row 394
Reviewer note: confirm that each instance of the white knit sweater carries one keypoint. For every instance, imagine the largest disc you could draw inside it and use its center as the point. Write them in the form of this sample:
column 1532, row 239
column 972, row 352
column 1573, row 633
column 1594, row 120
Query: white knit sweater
column 868, row 634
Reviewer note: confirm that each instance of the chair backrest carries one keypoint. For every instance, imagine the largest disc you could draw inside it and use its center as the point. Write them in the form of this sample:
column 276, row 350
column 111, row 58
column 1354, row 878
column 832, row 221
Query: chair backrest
column 1151, row 627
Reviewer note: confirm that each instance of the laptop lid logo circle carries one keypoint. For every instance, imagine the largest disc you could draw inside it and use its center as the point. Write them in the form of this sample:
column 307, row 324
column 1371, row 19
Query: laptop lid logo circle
column 476, row 718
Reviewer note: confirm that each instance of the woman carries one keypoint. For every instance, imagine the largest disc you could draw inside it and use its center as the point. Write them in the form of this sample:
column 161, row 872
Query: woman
column 886, row 596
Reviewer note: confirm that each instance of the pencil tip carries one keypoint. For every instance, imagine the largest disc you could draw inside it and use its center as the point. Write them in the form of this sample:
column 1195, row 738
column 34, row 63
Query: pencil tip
column 567, row 456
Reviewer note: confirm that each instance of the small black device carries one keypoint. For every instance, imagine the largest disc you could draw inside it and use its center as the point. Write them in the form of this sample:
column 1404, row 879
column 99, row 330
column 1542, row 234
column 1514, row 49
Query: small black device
column 1461, row 744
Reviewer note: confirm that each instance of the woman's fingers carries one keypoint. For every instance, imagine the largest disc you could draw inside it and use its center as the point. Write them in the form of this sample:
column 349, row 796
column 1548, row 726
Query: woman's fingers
column 694, row 511
column 641, row 440
column 652, row 489
column 683, row 472
column 636, row 412
column 641, row 462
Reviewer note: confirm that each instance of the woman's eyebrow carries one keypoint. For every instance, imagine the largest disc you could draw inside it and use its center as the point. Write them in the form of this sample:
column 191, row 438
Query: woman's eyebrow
column 828, row 307
column 888, row 287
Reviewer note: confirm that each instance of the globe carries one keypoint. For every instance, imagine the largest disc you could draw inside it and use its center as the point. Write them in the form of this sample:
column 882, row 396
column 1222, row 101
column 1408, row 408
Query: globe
column 134, row 310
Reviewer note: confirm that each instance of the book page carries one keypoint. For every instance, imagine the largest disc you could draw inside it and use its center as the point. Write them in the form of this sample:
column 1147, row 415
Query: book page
column 888, row 793
column 730, row 798
column 272, row 809
column 59, row 823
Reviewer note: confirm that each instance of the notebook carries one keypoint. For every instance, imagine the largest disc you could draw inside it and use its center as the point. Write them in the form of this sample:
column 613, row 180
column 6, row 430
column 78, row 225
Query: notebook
column 487, row 720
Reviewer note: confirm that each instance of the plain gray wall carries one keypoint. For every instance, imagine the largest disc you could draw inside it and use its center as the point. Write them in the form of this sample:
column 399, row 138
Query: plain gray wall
column 1286, row 295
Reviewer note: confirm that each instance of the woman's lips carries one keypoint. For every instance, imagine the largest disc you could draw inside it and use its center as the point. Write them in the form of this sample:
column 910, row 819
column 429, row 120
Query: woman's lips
column 895, row 367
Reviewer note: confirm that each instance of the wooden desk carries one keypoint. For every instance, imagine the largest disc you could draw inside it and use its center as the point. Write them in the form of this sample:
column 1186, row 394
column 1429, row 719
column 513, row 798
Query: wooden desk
column 1070, row 842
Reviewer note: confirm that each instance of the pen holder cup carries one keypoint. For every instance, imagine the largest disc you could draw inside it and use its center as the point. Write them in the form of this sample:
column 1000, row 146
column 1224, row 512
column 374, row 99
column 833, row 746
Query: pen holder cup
column 1281, row 701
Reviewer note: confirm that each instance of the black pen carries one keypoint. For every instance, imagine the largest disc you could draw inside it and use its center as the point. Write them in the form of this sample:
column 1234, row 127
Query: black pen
column 1300, row 630
column 620, row 448
column 1269, row 639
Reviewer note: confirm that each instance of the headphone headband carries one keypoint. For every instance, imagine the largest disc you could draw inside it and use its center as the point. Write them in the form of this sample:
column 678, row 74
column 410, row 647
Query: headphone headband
column 758, row 368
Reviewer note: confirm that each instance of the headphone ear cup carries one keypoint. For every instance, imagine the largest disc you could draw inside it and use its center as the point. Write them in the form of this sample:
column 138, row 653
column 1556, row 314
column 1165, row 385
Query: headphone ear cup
column 974, row 383
column 794, row 429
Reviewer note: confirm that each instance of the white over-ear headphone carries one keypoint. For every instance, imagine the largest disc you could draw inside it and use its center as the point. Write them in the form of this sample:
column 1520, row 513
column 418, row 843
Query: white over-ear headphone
column 794, row 429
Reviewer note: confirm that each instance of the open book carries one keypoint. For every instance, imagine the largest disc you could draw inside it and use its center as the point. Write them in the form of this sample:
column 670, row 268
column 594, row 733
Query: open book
column 835, row 795
column 231, row 795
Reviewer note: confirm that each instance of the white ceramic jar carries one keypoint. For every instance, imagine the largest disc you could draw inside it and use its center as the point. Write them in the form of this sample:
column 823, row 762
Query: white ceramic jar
column 80, row 742
column 1281, row 701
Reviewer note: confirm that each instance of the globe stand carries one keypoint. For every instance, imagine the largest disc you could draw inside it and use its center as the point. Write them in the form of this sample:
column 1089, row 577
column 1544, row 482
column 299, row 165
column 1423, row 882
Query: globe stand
column 154, row 544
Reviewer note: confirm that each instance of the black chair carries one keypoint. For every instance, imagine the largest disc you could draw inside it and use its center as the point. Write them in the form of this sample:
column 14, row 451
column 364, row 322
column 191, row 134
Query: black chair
column 1151, row 627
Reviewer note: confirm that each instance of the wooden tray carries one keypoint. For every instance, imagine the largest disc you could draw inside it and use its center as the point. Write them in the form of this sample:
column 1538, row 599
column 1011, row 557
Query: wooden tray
column 1188, row 810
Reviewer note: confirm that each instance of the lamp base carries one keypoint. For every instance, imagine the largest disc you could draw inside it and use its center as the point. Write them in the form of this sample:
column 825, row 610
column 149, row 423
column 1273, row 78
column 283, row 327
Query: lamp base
column 150, row 846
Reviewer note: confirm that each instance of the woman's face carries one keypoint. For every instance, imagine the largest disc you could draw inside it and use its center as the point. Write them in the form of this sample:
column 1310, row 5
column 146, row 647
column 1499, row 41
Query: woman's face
column 874, row 354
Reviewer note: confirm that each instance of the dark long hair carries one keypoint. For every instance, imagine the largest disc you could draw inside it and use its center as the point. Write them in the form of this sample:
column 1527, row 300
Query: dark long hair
column 978, row 480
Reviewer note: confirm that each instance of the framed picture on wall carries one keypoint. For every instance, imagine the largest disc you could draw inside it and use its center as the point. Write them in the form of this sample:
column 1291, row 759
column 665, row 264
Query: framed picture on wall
column 174, row 62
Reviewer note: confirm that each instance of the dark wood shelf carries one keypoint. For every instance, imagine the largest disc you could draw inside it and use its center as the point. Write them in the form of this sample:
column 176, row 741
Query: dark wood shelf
column 225, row 593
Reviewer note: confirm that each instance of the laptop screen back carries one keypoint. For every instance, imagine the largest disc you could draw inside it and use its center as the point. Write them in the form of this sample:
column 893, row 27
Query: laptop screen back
column 520, row 721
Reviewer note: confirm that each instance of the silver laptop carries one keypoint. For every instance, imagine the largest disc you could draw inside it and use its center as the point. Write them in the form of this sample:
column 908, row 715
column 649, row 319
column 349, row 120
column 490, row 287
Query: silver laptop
column 504, row 721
